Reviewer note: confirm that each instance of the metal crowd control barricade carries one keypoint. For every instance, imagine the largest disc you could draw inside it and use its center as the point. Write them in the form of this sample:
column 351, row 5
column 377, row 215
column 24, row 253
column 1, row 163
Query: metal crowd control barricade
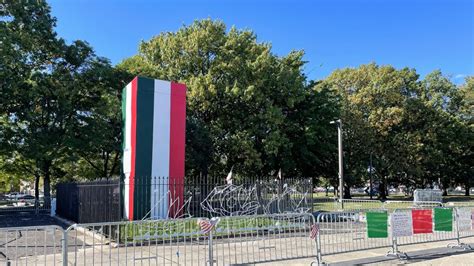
column 460, row 232
column 25, row 205
column 263, row 238
column 35, row 245
column 402, row 204
column 233, row 240
column 434, row 236
column 459, row 204
column 419, row 238
column 358, row 204
column 153, row 242
column 364, row 204
column 345, row 231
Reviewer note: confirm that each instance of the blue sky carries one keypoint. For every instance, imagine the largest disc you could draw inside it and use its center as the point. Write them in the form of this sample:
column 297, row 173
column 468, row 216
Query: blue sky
column 424, row 34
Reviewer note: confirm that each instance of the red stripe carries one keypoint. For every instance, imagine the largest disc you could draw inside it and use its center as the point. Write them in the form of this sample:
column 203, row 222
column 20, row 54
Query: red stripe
column 206, row 226
column 422, row 221
column 177, row 144
column 133, row 151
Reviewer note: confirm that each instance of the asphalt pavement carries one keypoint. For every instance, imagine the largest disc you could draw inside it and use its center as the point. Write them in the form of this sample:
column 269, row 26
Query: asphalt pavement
column 20, row 219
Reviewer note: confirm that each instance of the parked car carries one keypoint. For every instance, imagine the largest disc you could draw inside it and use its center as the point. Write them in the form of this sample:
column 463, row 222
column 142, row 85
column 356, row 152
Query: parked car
column 27, row 197
column 15, row 195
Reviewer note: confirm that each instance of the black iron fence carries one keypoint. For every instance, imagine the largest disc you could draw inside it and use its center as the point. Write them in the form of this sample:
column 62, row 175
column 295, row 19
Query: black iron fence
column 105, row 201
column 88, row 202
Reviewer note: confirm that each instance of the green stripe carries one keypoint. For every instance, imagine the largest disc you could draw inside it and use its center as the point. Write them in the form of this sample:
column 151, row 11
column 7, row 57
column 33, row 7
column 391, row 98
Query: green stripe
column 443, row 219
column 377, row 224
column 144, row 147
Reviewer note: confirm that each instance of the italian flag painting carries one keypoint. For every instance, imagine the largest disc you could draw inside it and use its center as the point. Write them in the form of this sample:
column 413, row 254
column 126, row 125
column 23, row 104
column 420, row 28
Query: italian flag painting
column 154, row 125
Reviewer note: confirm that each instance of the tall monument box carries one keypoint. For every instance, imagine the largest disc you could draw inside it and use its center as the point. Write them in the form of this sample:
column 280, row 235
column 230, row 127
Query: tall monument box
column 154, row 114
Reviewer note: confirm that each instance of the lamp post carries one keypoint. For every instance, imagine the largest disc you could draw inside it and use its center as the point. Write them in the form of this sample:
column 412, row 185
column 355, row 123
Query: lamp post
column 341, row 171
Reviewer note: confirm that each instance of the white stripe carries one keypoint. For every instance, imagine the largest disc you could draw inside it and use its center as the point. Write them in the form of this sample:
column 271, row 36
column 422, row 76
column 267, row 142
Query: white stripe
column 127, row 153
column 161, row 152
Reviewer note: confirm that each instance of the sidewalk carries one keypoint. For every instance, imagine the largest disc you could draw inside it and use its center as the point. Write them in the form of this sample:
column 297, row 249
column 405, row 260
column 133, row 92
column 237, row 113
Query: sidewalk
column 435, row 253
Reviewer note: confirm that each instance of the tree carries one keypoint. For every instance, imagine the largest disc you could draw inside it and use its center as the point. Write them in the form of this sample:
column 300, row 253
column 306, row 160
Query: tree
column 465, row 137
column 373, row 100
column 247, row 107
column 414, row 128
column 49, row 90
column 96, row 143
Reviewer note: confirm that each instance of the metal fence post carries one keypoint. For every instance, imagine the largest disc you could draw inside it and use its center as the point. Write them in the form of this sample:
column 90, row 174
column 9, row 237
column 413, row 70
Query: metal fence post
column 395, row 252
column 319, row 256
column 458, row 243
column 64, row 248
column 211, row 259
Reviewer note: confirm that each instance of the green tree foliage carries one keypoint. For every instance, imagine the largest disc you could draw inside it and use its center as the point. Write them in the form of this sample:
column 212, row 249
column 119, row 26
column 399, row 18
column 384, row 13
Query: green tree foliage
column 247, row 107
column 412, row 127
column 52, row 94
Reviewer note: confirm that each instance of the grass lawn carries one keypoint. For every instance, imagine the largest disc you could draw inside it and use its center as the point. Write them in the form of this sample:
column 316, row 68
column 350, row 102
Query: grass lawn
column 322, row 203
column 176, row 230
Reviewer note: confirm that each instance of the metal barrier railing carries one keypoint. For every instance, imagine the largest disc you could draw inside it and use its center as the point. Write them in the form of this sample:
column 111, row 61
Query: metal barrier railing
column 235, row 239
column 463, row 223
column 401, row 204
column 31, row 245
column 22, row 205
column 358, row 204
column 345, row 231
column 155, row 242
column 355, row 204
column 263, row 238
column 434, row 236
column 348, row 231
column 363, row 204
column 459, row 204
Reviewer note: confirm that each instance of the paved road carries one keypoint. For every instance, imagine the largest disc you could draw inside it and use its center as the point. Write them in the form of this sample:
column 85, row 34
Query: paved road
column 20, row 219
column 435, row 254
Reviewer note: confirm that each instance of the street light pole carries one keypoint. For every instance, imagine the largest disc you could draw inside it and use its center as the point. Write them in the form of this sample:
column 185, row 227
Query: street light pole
column 341, row 170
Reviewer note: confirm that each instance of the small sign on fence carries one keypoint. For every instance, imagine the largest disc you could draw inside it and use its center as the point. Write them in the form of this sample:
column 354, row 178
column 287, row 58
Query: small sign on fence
column 464, row 219
column 422, row 221
column 443, row 219
column 401, row 223
column 377, row 224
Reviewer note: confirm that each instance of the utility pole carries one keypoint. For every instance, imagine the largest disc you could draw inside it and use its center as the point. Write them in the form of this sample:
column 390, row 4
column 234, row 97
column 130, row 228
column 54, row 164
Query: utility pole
column 341, row 170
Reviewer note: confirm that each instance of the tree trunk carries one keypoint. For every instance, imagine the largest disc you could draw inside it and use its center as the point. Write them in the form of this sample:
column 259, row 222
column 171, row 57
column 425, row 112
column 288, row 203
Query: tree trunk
column 47, row 183
column 347, row 192
column 37, row 177
column 204, row 183
column 382, row 190
column 467, row 188
column 445, row 191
